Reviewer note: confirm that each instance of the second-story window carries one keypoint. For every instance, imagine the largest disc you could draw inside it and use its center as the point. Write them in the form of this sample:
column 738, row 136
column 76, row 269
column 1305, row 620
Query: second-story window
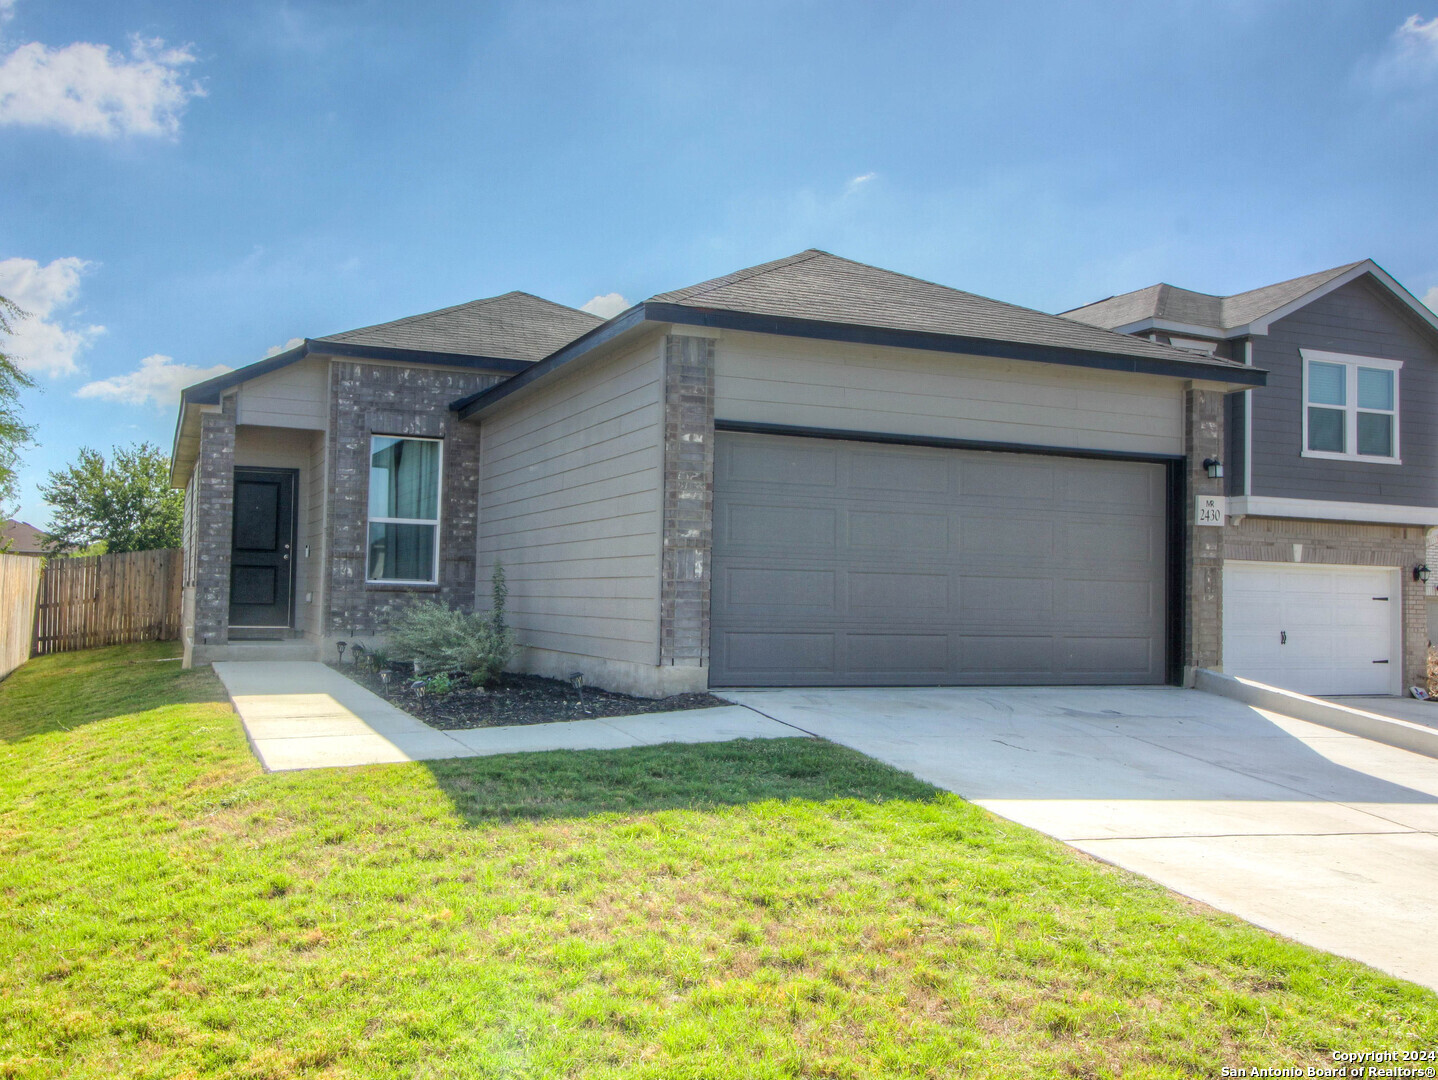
column 403, row 510
column 1350, row 407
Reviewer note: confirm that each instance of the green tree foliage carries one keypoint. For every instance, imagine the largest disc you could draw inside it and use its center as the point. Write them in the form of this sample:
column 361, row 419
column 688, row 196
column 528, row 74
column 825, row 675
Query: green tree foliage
column 15, row 434
column 127, row 502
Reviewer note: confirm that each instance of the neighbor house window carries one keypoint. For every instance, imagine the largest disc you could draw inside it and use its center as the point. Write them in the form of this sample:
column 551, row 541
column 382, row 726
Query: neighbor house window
column 403, row 510
column 1350, row 407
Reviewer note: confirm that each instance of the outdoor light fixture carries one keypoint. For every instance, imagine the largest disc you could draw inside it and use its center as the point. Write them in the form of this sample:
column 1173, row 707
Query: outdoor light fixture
column 1214, row 467
column 1420, row 573
column 340, row 645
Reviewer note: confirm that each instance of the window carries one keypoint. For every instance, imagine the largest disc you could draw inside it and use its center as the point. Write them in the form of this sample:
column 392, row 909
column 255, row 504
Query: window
column 403, row 510
column 1350, row 407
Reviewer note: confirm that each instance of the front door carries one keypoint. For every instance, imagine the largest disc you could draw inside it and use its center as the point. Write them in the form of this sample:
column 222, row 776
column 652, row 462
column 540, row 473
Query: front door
column 262, row 554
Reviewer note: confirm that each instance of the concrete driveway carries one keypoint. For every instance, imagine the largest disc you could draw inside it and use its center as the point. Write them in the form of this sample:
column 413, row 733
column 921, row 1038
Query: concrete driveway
column 1315, row 834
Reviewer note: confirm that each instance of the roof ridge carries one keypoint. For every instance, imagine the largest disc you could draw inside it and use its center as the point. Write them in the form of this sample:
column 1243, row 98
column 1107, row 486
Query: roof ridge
column 733, row 278
column 418, row 318
column 1332, row 272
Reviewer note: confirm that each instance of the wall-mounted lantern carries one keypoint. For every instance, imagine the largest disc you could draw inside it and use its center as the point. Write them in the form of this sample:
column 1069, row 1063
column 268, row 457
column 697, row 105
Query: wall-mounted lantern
column 1214, row 467
column 1420, row 573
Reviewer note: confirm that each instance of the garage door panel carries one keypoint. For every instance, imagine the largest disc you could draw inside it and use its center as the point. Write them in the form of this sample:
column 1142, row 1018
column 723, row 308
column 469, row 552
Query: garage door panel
column 1100, row 604
column 1314, row 629
column 998, row 659
column 785, row 589
column 812, row 466
column 873, row 594
column 884, row 472
column 986, row 535
column 1012, row 480
column 800, row 653
column 760, row 527
column 911, row 654
column 895, row 530
column 1114, row 659
column 1006, row 603
column 934, row 566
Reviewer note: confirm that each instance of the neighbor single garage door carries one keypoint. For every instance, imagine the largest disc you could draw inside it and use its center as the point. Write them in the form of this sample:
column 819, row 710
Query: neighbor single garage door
column 1313, row 629
column 843, row 563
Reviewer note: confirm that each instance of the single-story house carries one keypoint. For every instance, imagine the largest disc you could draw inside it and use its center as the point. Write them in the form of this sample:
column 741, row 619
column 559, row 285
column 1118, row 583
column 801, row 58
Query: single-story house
column 809, row 472
column 21, row 538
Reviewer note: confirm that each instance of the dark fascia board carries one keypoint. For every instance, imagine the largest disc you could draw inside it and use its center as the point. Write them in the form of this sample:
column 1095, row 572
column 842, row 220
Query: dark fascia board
column 601, row 334
column 208, row 392
column 720, row 319
column 954, row 343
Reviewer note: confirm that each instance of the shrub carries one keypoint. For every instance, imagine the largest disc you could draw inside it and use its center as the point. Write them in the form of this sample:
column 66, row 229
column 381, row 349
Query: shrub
column 443, row 639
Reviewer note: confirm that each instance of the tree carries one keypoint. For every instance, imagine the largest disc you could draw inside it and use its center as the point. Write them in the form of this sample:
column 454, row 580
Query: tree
column 15, row 434
column 127, row 503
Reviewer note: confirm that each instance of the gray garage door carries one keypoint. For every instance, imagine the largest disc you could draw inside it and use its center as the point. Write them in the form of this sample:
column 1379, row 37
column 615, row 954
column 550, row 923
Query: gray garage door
column 849, row 563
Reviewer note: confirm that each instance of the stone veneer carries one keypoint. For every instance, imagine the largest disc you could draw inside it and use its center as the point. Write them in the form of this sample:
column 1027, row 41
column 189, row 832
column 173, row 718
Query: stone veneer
column 384, row 399
column 1203, row 412
column 688, row 500
column 1345, row 543
column 213, row 519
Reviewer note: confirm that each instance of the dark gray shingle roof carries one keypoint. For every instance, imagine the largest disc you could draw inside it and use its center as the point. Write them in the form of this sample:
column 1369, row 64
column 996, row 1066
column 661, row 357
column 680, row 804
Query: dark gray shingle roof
column 1172, row 304
column 514, row 326
column 819, row 286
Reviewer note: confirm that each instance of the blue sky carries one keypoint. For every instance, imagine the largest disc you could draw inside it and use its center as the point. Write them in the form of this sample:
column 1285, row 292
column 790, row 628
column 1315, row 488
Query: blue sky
column 188, row 186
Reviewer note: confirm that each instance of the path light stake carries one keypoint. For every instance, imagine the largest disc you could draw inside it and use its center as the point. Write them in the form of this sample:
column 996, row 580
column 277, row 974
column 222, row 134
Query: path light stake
column 577, row 678
column 359, row 652
column 384, row 680
column 340, row 645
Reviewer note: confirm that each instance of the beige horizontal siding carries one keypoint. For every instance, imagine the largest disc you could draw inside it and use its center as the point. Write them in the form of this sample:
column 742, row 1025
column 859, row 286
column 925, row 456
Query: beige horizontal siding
column 295, row 396
column 765, row 379
column 570, row 492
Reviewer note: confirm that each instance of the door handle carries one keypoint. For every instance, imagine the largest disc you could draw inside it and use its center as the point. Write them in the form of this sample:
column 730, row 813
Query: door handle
column 1283, row 637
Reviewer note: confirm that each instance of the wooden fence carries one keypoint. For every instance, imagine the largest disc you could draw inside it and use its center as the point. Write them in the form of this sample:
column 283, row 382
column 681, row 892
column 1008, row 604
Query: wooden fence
column 19, row 590
column 108, row 600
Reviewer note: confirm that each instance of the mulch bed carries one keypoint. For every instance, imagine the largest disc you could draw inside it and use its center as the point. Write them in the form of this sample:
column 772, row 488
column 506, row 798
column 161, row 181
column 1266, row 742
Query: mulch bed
column 516, row 699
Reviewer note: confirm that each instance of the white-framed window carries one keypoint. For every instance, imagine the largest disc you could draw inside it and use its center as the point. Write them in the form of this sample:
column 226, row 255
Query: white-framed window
column 1350, row 407
column 404, row 484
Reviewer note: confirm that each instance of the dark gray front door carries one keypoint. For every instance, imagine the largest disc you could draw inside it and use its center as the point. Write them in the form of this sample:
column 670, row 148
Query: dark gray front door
column 849, row 563
column 262, row 554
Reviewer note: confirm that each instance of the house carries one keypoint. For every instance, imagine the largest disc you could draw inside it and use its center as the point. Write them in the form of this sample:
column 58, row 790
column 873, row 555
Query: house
column 21, row 538
column 810, row 472
column 1330, row 471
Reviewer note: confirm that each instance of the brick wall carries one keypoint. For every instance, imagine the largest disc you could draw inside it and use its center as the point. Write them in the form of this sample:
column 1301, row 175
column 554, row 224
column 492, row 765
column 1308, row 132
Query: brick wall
column 688, row 500
column 1203, row 561
column 212, row 521
column 1345, row 543
column 381, row 399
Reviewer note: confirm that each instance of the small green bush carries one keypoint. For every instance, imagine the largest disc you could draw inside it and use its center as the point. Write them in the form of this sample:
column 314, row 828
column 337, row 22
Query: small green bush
column 438, row 685
column 443, row 639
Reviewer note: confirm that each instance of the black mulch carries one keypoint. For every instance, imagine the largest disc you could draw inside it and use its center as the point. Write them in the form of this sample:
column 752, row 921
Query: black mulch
column 515, row 699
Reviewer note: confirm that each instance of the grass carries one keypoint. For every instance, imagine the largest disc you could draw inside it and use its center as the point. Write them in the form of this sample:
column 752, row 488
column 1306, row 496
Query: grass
column 764, row 909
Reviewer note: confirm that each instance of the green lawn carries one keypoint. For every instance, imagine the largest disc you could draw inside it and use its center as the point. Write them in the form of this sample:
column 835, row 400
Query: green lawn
column 755, row 909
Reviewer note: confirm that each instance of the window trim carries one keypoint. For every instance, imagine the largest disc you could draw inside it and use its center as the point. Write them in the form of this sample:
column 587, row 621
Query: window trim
column 433, row 579
column 1350, row 408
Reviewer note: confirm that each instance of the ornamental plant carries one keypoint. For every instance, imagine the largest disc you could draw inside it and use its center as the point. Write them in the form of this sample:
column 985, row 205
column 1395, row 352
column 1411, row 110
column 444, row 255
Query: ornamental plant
column 442, row 639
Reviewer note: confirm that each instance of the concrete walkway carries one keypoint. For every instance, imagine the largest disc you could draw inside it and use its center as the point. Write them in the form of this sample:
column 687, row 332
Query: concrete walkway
column 1400, row 708
column 303, row 715
column 1314, row 833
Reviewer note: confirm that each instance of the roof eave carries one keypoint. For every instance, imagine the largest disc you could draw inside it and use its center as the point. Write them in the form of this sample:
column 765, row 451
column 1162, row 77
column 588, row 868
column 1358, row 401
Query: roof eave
column 651, row 311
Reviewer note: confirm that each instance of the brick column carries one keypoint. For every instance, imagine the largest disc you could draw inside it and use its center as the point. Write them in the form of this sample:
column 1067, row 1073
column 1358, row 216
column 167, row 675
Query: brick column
column 214, row 521
column 1203, row 412
column 688, row 501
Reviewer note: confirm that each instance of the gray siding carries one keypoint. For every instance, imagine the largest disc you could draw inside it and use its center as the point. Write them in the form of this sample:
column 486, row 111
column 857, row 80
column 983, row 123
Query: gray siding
column 1360, row 319
column 767, row 379
column 570, row 483
column 1235, row 451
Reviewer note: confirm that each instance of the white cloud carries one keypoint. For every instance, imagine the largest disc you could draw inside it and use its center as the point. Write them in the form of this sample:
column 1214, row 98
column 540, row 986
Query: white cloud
column 158, row 380
column 606, row 306
column 86, row 89
column 1411, row 55
column 275, row 350
column 1418, row 39
column 41, row 344
column 857, row 182
column 1431, row 298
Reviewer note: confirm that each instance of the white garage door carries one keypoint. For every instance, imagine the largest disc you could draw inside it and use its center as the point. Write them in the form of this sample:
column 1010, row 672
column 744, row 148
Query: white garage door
column 1313, row 629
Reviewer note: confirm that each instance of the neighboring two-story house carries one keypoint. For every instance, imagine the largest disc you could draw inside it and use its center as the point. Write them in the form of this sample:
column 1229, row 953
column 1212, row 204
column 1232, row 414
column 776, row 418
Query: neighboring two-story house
column 1330, row 471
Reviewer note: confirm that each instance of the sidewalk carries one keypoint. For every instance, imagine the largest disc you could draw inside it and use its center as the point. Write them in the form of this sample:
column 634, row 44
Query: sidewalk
column 303, row 715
